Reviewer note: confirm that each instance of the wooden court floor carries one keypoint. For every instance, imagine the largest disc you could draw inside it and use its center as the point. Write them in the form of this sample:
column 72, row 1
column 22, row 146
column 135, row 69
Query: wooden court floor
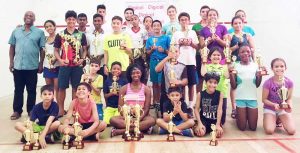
column 233, row 141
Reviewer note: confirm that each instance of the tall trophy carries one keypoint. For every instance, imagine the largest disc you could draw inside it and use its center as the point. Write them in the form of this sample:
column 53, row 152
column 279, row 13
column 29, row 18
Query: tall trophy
column 114, row 85
column 36, row 145
column 234, row 58
column 283, row 94
column 66, row 139
column 27, row 134
column 77, row 128
column 227, row 51
column 186, row 34
column 126, row 114
column 259, row 62
column 77, row 51
column 171, row 126
column 213, row 134
column 137, row 116
column 204, row 51
column 172, row 75
column 96, row 42
column 66, row 49
column 86, row 71
column 123, row 42
column 172, row 46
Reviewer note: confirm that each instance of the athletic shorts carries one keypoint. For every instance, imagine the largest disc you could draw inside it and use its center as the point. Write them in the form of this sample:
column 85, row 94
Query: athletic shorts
column 155, row 77
column 276, row 113
column 110, row 112
column 246, row 103
column 192, row 75
column 67, row 74
column 53, row 73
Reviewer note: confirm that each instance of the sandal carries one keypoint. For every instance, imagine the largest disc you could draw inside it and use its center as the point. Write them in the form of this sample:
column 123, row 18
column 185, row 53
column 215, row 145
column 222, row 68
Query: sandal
column 15, row 116
column 233, row 113
column 113, row 132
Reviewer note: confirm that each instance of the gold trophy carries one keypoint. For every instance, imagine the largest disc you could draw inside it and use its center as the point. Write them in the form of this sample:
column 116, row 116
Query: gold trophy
column 171, row 126
column 172, row 46
column 204, row 51
column 77, row 51
column 66, row 48
column 137, row 113
column 28, row 135
column 213, row 134
column 234, row 58
column 172, row 75
column 154, row 41
column 186, row 34
column 123, row 42
column 127, row 117
column 259, row 62
column 114, row 85
column 283, row 94
column 50, row 59
column 36, row 145
column 96, row 42
column 66, row 139
column 227, row 51
column 77, row 128
column 213, row 28
column 86, row 71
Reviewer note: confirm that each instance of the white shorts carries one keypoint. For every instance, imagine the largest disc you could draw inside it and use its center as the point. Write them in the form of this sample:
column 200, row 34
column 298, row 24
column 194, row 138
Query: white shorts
column 276, row 113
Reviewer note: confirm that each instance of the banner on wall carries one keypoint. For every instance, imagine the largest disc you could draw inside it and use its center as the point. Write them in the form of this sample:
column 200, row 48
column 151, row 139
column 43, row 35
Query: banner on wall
column 157, row 9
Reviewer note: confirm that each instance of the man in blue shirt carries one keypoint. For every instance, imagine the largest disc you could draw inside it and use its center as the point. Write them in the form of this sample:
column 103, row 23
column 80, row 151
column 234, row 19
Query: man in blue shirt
column 26, row 57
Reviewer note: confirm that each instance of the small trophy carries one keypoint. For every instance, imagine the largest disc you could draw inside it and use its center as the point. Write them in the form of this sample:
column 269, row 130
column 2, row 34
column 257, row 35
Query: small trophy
column 234, row 58
column 204, row 52
column 212, row 28
column 172, row 46
column 127, row 117
column 213, row 134
column 171, row 126
column 137, row 113
column 123, row 43
column 66, row 139
column 283, row 94
column 86, row 70
column 36, row 145
column 28, row 135
column 227, row 51
column 154, row 41
column 96, row 42
column 259, row 62
column 172, row 76
column 66, row 48
column 77, row 128
column 114, row 85
column 50, row 59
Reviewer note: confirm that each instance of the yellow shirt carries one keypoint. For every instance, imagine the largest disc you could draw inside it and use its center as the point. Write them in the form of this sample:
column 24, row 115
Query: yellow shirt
column 112, row 47
column 97, row 83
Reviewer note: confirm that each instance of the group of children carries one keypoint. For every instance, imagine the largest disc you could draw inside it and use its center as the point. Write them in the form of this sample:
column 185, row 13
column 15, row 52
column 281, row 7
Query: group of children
column 119, row 66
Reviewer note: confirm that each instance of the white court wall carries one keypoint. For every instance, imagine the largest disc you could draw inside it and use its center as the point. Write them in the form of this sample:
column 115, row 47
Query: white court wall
column 276, row 23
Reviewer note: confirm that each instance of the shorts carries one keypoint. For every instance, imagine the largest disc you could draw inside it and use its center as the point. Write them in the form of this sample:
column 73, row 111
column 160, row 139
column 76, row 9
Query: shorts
column 207, row 125
column 155, row 77
column 246, row 103
column 66, row 73
column 110, row 112
column 100, row 111
column 192, row 75
column 37, row 128
column 276, row 113
column 86, row 126
column 198, row 66
column 51, row 74
column 224, row 108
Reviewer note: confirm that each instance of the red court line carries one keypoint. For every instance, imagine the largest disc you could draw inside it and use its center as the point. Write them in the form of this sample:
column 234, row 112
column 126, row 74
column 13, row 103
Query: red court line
column 132, row 147
column 282, row 145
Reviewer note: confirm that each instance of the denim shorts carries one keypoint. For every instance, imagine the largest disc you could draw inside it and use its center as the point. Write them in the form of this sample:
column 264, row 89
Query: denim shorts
column 246, row 103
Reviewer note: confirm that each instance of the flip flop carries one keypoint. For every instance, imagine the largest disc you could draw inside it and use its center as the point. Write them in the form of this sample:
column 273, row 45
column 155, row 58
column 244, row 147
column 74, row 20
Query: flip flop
column 15, row 116
column 233, row 113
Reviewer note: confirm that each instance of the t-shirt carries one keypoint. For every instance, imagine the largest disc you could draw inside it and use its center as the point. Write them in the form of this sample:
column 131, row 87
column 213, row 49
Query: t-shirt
column 220, row 31
column 180, row 73
column 209, row 104
column 95, row 43
column 219, row 70
column 77, row 38
column 167, row 28
column 39, row 113
column 137, row 38
column 168, row 108
column 246, row 81
column 49, row 54
column 163, row 41
column 112, row 47
column 236, row 40
column 273, row 88
column 97, row 83
column 85, row 110
column 187, row 53
column 246, row 29
column 112, row 101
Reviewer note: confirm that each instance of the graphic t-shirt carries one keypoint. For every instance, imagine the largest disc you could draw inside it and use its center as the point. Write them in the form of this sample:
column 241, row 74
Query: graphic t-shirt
column 209, row 106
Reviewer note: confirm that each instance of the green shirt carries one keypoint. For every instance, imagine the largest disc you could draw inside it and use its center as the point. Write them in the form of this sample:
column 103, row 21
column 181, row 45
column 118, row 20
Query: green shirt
column 220, row 70
column 197, row 28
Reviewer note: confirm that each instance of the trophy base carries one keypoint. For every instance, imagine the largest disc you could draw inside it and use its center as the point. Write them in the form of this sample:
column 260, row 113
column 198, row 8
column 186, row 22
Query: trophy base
column 204, row 61
column 138, row 137
column 127, row 137
column 284, row 105
column 213, row 143
column 263, row 73
column 234, row 72
column 80, row 145
column 171, row 138
column 36, row 147
column 66, row 146
column 27, row 147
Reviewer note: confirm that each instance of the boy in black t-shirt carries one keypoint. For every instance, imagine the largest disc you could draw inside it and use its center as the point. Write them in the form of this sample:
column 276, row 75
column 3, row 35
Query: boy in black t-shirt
column 45, row 113
column 209, row 107
column 179, row 109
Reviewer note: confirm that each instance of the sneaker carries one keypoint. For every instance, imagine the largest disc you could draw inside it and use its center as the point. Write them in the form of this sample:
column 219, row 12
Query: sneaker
column 150, row 130
column 49, row 138
column 157, row 106
column 187, row 132
column 162, row 131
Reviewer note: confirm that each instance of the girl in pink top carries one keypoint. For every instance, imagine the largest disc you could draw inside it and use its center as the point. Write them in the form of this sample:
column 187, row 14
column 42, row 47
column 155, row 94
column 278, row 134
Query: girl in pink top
column 134, row 92
column 88, row 115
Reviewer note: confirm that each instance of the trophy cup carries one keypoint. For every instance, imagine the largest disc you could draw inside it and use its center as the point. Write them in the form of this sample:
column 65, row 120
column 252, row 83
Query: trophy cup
column 154, row 41
column 50, row 59
column 66, row 48
column 66, row 139
column 171, row 126
column 96, row 42
column 172, row 46
column 127, row 117
column 259, row 62
column 213, row 28
column 77, row 128
column 213, row 134
column 137, row 113
column 27, row 135
column 204, row 52
column 186, row 34
column 86, row 71
column 227, row 51
column 172, row 75
column 114, row 85
column 234, row 58
column 123, row 43
column 283, row 94
column 36, row 145
column 77, row 51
